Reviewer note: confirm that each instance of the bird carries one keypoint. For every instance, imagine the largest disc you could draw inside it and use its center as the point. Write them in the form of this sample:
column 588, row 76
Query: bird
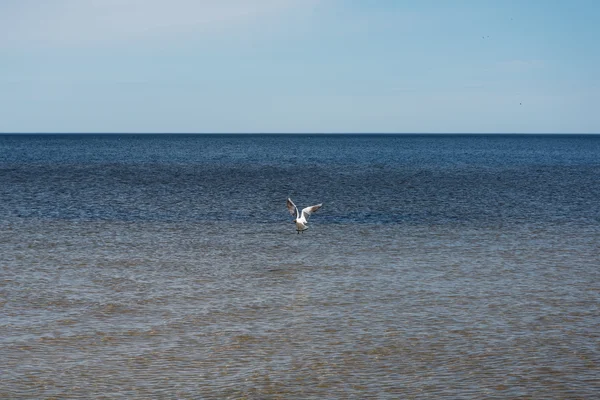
column 301, row 218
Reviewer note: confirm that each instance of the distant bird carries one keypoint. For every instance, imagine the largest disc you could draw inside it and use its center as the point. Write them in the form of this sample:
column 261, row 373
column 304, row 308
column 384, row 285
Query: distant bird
column 301, row 218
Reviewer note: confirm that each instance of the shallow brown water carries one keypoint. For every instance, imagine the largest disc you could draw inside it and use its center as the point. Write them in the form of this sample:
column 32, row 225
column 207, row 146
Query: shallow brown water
column 130, row 310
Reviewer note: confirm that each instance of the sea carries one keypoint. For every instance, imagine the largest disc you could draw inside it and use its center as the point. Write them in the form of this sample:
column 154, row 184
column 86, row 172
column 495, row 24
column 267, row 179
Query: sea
column 168, row 267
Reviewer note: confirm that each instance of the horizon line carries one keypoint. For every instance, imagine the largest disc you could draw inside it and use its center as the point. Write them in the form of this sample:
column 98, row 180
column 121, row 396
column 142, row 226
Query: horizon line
column 299, row 133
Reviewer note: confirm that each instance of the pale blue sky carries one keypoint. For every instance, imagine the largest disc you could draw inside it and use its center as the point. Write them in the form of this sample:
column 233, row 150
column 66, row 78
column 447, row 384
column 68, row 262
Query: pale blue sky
column 204, row 66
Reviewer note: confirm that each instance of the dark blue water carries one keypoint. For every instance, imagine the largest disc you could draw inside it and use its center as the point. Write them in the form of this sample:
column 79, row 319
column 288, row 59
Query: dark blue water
column 362, row 179
column 465, row 266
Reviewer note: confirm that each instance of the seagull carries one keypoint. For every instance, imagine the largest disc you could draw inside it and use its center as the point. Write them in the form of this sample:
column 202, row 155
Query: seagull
column 301, row 217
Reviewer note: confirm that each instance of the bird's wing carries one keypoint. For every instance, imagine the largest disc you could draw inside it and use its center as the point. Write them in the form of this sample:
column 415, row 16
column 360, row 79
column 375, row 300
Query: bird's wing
column 309, row 210
column 292, row 208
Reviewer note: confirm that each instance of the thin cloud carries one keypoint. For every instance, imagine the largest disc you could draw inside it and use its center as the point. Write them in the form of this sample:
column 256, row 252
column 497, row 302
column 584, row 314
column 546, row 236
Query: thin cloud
column 73, row 22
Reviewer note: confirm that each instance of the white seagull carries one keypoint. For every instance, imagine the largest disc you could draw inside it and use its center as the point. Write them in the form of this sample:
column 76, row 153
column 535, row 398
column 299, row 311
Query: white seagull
column 301, row 217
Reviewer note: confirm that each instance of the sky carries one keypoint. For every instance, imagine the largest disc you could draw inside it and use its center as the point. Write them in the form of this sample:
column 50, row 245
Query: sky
column 300, row 66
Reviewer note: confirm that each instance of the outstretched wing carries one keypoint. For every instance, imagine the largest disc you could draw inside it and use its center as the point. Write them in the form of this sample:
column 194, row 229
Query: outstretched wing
column 292, row 208
column 309, row 210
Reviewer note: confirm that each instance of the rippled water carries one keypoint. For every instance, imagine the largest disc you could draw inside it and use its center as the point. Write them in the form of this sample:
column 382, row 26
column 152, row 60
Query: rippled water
column 168, row 267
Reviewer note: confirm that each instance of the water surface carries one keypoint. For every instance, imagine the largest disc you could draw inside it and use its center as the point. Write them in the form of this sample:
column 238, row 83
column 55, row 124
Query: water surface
column 464, row 266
